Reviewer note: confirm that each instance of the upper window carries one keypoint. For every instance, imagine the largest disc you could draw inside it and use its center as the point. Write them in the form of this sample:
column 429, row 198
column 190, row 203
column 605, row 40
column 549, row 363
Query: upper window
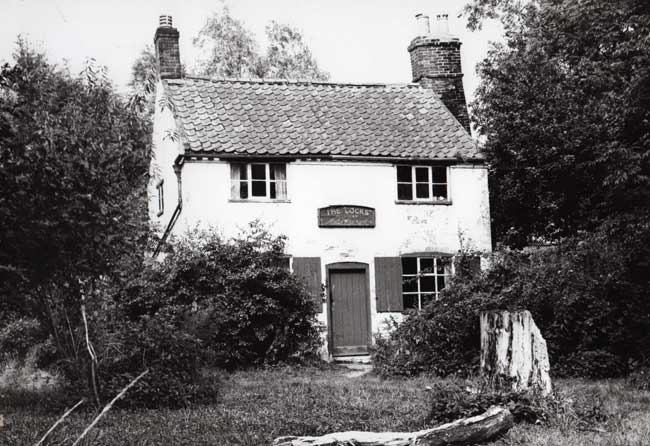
column 250, row 181
column 161, row 198
column 423, row 278
column 422, row 183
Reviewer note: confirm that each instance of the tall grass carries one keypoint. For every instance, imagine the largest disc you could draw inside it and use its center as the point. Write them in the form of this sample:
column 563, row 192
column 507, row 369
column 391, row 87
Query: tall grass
column 257, row 406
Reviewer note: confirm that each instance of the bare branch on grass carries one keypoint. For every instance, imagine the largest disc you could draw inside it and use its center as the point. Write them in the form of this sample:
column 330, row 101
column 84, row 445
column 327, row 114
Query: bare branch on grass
column 91, row 351
column 108, row 407
column 60, row 420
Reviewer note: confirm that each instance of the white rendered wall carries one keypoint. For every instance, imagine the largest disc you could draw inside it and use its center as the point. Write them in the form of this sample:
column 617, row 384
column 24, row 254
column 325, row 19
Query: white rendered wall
column 165, row 149
column 400, row 228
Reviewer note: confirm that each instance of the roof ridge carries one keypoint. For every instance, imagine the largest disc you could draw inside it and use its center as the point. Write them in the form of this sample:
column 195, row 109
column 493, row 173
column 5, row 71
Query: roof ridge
column 300, row 82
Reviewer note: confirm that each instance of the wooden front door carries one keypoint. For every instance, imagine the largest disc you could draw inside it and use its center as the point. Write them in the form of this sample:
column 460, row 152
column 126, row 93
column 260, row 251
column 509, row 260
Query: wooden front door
column 349, row 310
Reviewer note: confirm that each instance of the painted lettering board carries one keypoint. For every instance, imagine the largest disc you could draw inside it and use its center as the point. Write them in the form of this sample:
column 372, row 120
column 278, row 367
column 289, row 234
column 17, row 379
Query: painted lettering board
column 346, row 216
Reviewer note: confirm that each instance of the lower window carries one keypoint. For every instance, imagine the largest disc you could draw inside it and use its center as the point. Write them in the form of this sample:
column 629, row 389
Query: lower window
column 423, row 278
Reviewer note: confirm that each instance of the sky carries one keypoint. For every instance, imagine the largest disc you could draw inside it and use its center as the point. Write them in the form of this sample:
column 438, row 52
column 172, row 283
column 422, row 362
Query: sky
column 354, row 40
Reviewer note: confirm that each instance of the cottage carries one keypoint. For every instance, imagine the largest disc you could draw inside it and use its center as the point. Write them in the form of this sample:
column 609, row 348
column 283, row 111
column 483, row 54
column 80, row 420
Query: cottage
column 376, row 186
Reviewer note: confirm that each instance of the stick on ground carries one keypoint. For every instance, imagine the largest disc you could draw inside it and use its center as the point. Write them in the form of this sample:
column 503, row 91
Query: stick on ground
column 59, row 421
column 108, row 407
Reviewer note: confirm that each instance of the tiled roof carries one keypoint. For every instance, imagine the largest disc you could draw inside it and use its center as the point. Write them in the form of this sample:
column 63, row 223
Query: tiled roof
column 259, row 118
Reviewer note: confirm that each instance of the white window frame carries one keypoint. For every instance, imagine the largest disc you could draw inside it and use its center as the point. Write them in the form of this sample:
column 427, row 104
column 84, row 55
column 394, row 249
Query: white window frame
column 434, row 274
column 267, row 179
column 414, row 183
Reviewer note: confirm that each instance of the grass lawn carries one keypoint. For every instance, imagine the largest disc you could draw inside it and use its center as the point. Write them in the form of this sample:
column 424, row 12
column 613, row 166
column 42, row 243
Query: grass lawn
column 257, row 406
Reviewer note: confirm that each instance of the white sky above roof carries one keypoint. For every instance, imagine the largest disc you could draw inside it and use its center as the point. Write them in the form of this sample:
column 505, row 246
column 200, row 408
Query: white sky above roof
column 354, row 40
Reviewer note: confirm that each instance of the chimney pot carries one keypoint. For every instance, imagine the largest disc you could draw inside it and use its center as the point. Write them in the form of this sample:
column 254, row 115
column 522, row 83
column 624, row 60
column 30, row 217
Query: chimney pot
column 443, row 24
column 165, row 20
column 423, row 27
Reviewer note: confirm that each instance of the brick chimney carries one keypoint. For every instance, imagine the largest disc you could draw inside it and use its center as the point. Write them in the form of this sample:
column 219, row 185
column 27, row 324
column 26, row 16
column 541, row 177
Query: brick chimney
column 435, row 63
column 167, row 53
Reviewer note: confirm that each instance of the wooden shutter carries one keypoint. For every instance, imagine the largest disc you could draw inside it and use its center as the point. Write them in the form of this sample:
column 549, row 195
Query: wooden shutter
column 388, row 284
column 308, row 268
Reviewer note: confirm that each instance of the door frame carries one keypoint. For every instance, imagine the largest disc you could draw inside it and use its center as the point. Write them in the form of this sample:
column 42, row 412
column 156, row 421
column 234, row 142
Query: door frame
column 343, row 266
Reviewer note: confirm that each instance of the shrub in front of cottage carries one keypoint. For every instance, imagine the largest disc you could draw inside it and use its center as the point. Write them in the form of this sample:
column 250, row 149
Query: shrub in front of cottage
column 587, row 295
column 239, row 298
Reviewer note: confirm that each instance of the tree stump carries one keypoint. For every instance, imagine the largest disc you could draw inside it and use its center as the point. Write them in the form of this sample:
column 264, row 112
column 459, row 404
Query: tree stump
column 513, row 352
column 481, row 428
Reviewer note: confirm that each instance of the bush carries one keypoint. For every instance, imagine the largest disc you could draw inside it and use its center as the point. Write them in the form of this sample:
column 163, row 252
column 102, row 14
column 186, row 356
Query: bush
column 440, row 340
column 587, row 296
column 238, row 298
column 450, row 402
column 19, row 334
column 173, row 357
column 590, row 364
column 640, row 378
column 209, row 302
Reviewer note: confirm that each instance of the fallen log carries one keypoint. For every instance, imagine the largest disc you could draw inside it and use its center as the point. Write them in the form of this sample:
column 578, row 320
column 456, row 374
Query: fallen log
column 485, row 427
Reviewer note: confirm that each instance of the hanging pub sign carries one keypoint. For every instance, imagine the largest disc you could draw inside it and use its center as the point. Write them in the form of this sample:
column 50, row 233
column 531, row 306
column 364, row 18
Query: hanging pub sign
column 345, row 216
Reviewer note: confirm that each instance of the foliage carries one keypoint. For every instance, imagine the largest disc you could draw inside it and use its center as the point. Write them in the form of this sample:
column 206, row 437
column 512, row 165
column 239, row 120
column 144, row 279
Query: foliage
column 74, row 166
column 74, row 158
column 256, row 406
column 594, row 364
column 564, row 107
column 287, row 55
column 228, row 49
column 640, row 378
column 143, row 67
column 451, row 401
column 237, row 297
column 18, row 335
column 144, row 75
column 588, row 298
column 209, row 302
column 163, row 344
column 441, row 340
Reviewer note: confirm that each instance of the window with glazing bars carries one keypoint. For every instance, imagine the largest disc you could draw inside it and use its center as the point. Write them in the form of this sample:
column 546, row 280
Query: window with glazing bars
column 423, row 278
column 422, row 183
column 250, row 181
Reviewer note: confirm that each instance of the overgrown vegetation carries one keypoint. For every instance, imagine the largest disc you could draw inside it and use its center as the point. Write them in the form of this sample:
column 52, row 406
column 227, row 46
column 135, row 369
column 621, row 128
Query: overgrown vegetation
column 74, row 158
column 77, row 292
column 212, row 302
column 228, row 49
column 564, row 106
column 587, row 296
column 237, row 296
column 453, row 400
column 255, row 406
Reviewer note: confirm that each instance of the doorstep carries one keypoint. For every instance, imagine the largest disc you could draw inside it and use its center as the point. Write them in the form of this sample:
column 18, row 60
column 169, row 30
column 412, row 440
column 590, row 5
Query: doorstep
column 353, row 359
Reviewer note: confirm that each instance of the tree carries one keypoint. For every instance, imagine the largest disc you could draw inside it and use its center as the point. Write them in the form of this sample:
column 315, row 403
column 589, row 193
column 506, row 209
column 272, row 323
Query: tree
column 144, row 67
column 144, row 75
column 228, row 49
column 74, row 162
column 288, row 57
column 564, row 106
